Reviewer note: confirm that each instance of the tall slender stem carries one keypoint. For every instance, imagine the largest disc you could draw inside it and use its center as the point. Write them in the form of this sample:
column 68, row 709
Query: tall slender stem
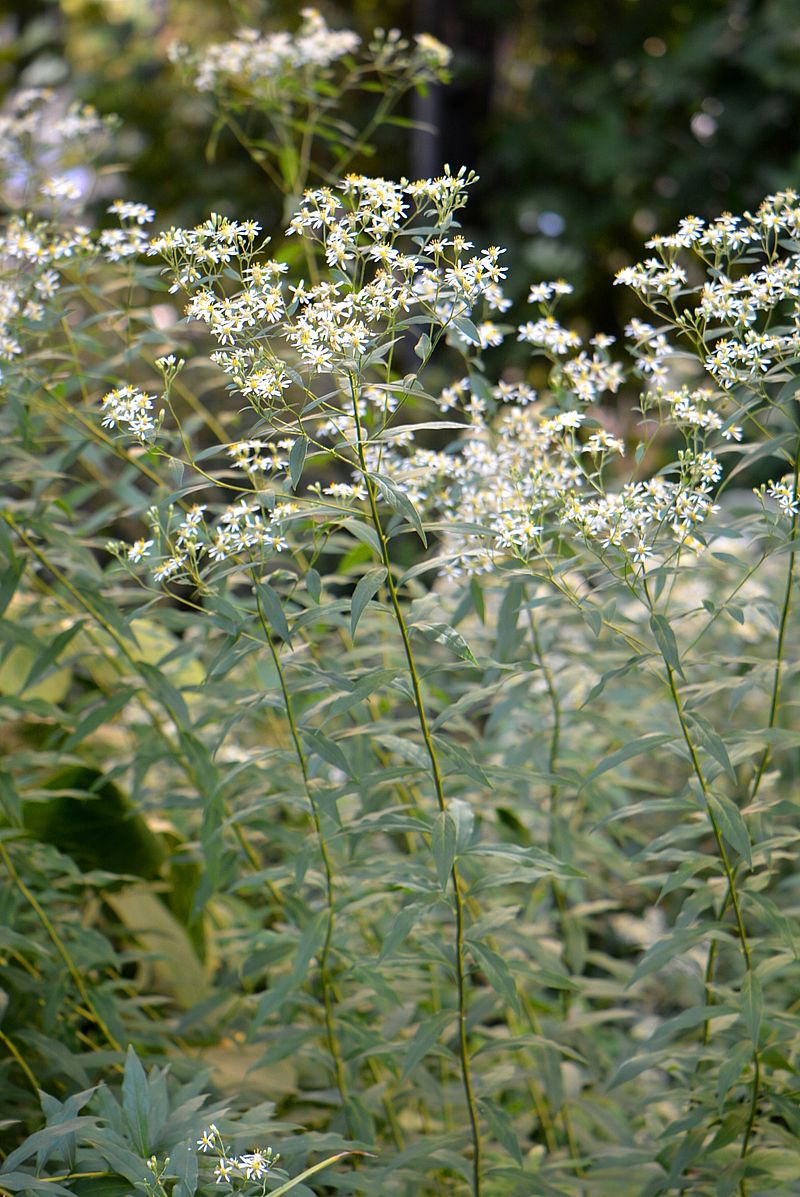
column 436, row 774
column 733, row 896
column 330, row 895
column 784, row 620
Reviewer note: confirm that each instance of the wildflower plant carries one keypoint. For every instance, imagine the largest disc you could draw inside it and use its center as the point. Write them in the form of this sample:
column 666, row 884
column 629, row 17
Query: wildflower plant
column 442, row 711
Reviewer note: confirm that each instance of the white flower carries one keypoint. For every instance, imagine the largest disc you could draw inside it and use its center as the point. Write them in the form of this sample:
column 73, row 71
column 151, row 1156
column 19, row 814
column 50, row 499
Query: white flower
column 139, row 550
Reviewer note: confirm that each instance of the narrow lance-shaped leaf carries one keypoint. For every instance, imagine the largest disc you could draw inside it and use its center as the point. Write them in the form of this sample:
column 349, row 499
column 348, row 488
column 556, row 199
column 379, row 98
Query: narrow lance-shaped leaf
column 443, row 844
column 273, row 610
column 665, row 639
column 297, row 458
column 401, row 504
column 367, row 588
column 752, row 1005
column 732, row 825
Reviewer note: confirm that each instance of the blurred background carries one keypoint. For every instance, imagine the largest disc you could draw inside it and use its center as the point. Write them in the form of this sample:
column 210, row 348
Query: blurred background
column 591, row 124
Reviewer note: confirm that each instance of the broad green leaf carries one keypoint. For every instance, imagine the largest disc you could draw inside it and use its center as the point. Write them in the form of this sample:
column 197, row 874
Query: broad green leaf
column 711, row 741
column 104, row 712
column 136, row 1103
column 313, row 584
column 463, row 817
column 423, row 347
column 609, row 675
column 12, row 576
column 665, row 950
column 467, row 329
column 50, row 654
column 167, row 694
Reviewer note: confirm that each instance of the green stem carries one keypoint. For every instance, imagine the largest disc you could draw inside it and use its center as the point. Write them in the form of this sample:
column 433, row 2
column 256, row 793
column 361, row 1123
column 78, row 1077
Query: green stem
column 733, row 897
column 784, row 620
column 62, row 950
column 326, row 979
column 461, row 979
column 21, row 1061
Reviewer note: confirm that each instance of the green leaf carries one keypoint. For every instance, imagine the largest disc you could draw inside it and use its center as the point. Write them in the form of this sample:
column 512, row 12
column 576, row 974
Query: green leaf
column 712, row 742
column 467, row 329
column 665, row 950
column 400, row 928
column 463, row 817
column 183, row 1166
column 297, row 458
column 443, row 844
column 610, row 675
column 633, row 1067
column 644, row 744
column 752, row 1005
column 428, row 1033
column 313, row 584
column 49, row 655
column 423, row 347
column 732, row 825
column 507, row 618
column 167, row 694
column 11, row 579
column 367, row 588
column 400, row 503
column 272, row 609
column 136, row 1104
column 327, row 749
column 442, row 633
column 497, row 972
column 665, row 639
column 297, row 1180
column 476, row 591
column 500, row 1125
column 100, row 713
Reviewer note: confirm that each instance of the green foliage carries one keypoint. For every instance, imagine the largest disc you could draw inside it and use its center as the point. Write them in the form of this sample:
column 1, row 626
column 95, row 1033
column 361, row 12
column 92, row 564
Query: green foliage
column 418, row 794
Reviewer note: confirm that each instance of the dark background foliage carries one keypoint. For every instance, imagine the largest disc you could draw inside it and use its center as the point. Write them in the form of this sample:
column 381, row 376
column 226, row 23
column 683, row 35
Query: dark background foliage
column 592, row 125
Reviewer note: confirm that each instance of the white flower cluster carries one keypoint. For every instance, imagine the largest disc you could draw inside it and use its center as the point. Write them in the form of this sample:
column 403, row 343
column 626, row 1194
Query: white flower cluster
column 201, row 253
column 29, row 251
column 693, row 409
column 748, row 311
column 784, row 493
column 130, row 409
column 376, row 236
column 243, row 531
column 252, row 58
column 631, row 518
column 251, row 1165
column 651, row 350
column 547, row 333
column 37, row 128
column 276, row 67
